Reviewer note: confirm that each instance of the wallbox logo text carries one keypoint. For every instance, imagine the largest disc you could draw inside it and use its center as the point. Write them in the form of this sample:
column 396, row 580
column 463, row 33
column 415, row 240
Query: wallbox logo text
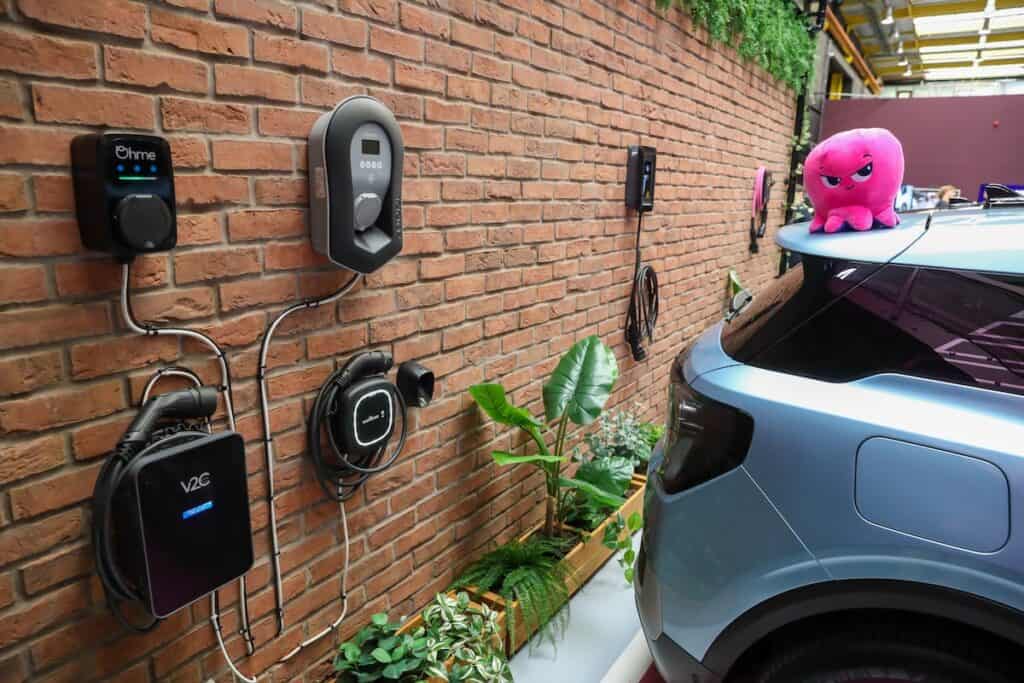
column 127, row 153
column 374, row 417
column 195, row 483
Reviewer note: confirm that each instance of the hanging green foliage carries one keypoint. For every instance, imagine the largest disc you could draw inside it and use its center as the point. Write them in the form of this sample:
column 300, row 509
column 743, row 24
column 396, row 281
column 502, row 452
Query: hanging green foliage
column 769, row 32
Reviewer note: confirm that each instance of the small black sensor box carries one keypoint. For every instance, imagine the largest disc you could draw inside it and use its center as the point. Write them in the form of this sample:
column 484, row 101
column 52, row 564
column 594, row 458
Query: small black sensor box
column 124, row 193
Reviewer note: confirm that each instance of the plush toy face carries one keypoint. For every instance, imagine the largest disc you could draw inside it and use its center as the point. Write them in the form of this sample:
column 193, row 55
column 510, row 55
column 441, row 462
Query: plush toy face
column 852, row 179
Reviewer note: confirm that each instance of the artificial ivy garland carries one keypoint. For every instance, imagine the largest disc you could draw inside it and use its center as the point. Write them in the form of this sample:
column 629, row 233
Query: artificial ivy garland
column 768, row 31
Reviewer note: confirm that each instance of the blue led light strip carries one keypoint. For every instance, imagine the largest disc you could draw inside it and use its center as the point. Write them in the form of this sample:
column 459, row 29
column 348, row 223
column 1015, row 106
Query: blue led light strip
column 192, row 512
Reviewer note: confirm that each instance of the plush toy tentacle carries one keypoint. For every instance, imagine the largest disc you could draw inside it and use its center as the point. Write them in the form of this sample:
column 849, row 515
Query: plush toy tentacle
column 835, row 222
column 888, row 218
column 817, row 223
column 859, row 217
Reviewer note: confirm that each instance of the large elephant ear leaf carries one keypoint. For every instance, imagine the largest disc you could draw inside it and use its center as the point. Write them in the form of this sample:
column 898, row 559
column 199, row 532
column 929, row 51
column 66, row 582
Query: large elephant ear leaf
column 582, row 382
column 491, row 399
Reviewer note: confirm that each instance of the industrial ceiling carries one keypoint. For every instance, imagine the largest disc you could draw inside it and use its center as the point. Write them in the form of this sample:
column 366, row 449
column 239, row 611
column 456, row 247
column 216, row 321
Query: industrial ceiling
column 907, row 41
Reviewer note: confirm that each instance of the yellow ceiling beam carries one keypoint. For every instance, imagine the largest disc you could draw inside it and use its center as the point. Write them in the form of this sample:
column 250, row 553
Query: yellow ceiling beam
column 933, row 10
column 842, row 38
column 1009, row 4
column 897, row 71
column 993, row 40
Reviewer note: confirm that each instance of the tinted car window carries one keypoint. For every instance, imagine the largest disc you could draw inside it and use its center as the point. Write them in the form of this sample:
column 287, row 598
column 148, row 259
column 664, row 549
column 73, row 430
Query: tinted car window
column 838, row 321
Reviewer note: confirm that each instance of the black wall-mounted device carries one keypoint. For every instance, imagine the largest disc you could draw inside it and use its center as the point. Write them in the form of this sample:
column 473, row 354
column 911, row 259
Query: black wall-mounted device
column 171, row 508
column 124, row 193
column 640, row 171
column 355, row 184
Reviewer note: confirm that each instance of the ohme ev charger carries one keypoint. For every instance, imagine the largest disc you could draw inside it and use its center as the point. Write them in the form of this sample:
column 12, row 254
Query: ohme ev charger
column 355, row 184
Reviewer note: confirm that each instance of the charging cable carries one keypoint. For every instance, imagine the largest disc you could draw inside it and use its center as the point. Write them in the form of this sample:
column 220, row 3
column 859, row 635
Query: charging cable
column 225, row 388
column 643, row 302
column 268, row 443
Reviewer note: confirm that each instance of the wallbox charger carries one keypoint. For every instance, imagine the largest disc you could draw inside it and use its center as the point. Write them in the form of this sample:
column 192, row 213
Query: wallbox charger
column 640, row 169
column 182, row 519
column 171, row 509
column 355, row 184
column 124, row 193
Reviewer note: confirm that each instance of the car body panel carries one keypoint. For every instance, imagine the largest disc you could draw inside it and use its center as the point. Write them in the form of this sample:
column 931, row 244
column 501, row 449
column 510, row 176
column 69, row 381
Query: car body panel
column 873, row 246
column 985, row 240
column 722, row 549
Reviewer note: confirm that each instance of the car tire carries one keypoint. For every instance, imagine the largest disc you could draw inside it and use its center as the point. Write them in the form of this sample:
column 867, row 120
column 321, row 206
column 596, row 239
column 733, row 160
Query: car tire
column 888, row 653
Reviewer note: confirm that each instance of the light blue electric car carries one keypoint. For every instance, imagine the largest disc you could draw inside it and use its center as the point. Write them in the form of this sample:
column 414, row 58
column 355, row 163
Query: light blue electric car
column 838, row 496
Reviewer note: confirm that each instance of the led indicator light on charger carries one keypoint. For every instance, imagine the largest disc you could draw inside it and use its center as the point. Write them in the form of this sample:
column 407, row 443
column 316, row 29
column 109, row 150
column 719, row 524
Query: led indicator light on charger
column 198, row 509
column 137, row 168
column 120, row 168
column 152, row 168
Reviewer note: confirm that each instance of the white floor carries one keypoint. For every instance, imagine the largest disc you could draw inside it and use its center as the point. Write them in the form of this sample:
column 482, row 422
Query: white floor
column 600, row 644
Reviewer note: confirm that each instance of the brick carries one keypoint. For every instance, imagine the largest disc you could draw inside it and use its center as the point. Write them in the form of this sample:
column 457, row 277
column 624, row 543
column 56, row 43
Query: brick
column 266, row 224
column 290, row 256
column 246, row 81
column 117, row 17
column 22, row 284
column 142, row 68
column 421, row 137
column 57, row 567
column 47, row 611
column 95, row 276
column 419, row 20
column 208, row 190
column 259, row 292
column 21, row 374
column 27, row 327
column 213, row 264
column 12, row 194
column 207, row 117
column 11, row 105
column 360, row 65
column 26, row 458
column 41, row 55
column 301, row 54
column 446, row 112
column 268, row 12
column 239, row 155
column 336, row 342
column 110, row 356
column 451, row 57
column 61, row 490
column 61, row 407
column 419, row 78
column 283, row 122
column 198, row 35
column 334, row 28
column 396, row 43
column 276, row 191
column 492, row 68
column 63, row 104
column 323, row 92
column 469, row 89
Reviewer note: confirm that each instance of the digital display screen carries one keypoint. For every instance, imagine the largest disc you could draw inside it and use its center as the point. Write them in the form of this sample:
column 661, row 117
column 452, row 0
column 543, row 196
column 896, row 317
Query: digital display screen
column 371, row 146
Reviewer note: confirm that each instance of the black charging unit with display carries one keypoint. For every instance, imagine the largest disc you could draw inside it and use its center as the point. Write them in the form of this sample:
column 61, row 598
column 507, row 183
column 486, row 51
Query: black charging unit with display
column 641, row 166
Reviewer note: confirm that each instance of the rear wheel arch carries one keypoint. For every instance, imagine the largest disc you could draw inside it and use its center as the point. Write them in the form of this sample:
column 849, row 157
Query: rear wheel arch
column 825, row 604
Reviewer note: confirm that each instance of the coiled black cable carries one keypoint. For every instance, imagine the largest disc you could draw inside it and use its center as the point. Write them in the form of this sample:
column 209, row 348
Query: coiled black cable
column 117, row 588
column 643, row 303
column 341, row 476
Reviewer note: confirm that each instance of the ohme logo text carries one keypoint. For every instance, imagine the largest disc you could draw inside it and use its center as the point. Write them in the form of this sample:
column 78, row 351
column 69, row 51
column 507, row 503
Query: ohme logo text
column 126, row 152
column 195, row 483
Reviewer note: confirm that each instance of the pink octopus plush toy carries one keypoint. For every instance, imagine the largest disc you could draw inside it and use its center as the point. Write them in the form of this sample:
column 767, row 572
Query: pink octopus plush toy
column 853, row 178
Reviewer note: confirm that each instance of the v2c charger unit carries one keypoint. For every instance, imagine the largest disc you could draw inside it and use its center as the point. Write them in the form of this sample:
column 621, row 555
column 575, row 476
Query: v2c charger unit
column 355, row 184
column 171, row 508
column 124, row 193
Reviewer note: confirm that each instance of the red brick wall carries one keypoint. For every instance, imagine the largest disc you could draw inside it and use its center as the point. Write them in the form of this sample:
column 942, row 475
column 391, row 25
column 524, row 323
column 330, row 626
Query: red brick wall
column 515, row 118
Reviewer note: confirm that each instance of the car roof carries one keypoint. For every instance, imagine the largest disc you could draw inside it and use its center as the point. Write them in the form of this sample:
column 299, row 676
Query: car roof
column 971, row 238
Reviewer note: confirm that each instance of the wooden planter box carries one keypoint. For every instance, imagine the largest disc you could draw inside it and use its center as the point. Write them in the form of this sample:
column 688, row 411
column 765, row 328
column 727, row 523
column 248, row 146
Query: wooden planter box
column 584, row 559
column 417, row 621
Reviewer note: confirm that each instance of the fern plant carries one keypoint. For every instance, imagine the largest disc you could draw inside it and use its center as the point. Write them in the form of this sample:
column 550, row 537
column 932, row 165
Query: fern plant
column 530, row 572
column 769, row 32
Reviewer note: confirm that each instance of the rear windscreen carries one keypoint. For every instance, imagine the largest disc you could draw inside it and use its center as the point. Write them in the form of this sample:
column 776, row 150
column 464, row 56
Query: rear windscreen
column 840, row 320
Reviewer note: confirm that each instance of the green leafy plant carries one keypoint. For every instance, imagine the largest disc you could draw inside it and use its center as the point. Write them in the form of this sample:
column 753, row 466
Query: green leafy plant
column 378, row 653
column 618, row 536
column 610, row 474
column 531, row 572
column 623, row 435
column 470, row 636
column 576, row 392
column 769, row 32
